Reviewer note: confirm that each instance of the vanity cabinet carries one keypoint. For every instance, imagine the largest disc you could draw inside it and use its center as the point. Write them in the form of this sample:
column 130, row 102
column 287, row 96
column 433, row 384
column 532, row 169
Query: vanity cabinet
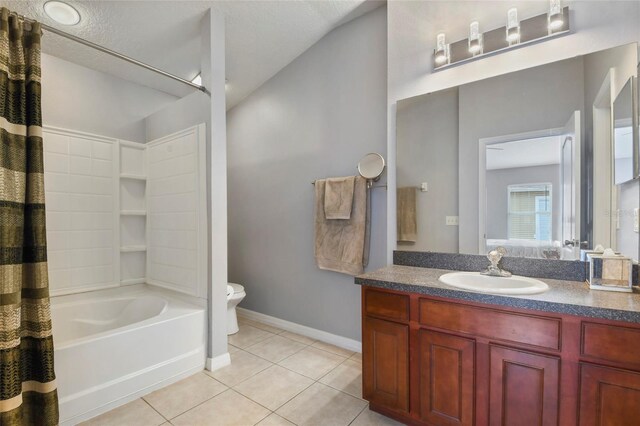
column 385, row 355
column 608, row 396
column 523, row 387
column 446, row 366
column 428, row 360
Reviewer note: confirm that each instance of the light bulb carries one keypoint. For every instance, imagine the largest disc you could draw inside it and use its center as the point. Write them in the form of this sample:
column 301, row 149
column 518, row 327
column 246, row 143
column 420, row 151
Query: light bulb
column 513, row 25
column 441, row 55
column 475, row 38
column 556, row 18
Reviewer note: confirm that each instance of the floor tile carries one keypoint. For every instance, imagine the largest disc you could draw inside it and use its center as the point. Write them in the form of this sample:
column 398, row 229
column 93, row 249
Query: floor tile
column 371, row 418
column 248, row 336
column 231, row 349
column 298, row 337
column 312, row 362
column 183, row 395
column 275, row 348
column 333, row 349
column 243, row 365
column 260, row 325
column 275, row 420
column 273, row 386
column 135, row 413
column 356, row 357
column 321, row 405
column 346, row 377
column 227, row 409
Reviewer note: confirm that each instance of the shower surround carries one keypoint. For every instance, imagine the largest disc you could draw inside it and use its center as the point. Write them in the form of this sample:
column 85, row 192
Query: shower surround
column 127, row 259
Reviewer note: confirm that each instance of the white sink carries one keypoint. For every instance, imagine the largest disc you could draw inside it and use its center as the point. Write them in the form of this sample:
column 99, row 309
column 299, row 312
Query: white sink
column 474, row 281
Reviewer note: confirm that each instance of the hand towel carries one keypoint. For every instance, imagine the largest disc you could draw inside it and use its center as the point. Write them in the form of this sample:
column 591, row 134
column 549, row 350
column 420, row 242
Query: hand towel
column 338, row 197
column 340, row 245
column 406, row 214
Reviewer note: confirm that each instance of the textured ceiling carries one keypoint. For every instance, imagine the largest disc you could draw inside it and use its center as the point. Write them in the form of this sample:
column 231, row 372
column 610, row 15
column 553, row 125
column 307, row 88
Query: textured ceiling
column 262, row 36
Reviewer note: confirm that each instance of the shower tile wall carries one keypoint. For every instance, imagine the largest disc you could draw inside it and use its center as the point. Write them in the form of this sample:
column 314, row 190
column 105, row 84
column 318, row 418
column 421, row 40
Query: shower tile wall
column 80, row 205
column 177, row 223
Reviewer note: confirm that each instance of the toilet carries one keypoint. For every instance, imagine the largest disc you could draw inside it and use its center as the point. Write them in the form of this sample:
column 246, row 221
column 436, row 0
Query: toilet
column 235, row 294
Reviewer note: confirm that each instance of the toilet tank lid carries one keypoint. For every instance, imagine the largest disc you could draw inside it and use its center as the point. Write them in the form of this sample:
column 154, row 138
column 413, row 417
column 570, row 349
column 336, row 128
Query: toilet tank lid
column 237, row 288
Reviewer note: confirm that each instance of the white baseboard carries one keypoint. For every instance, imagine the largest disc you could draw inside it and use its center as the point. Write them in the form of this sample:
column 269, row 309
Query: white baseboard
column 217, row 362
column 314, row 333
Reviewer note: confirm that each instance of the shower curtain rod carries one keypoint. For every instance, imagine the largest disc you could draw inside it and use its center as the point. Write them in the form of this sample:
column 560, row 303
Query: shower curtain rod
column 113, row 53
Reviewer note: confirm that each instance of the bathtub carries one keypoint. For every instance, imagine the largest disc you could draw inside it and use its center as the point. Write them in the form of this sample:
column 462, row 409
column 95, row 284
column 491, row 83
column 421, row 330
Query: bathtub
column 112, row 346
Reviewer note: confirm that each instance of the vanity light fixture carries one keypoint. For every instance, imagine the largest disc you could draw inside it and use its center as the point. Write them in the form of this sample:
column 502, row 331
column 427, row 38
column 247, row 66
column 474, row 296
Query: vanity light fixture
column 513, row 26
column 61, row 12
column 556, row 15
column 475, row 38
column 517, row 33
column 442, row 50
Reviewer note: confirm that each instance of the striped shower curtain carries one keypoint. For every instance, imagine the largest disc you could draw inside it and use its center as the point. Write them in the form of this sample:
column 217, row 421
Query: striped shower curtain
column 28, row 393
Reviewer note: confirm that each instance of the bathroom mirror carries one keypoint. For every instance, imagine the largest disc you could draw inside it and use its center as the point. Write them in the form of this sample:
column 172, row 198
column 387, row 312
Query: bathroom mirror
column 624, row 135
column 523, row 160
column 371, row 166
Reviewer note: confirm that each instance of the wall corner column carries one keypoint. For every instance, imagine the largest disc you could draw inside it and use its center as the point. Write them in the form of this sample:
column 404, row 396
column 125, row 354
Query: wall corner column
column 213, row 77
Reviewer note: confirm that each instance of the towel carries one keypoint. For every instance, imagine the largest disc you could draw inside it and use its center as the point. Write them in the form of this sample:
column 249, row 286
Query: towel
column 341, row 244
column 406, row 211
column 338, row 197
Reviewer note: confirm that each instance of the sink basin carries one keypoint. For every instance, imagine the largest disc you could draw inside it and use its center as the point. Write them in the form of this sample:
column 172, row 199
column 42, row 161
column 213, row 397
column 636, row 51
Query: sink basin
column 474, row 281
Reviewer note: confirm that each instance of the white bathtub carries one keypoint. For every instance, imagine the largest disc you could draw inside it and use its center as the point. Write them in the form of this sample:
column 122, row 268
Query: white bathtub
column 112, row 346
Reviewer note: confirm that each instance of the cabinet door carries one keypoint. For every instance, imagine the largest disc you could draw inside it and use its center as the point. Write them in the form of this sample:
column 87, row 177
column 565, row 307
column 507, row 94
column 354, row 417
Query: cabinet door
column 385, row 363
column 524, row 387
column 446, row 365
column 608, row 396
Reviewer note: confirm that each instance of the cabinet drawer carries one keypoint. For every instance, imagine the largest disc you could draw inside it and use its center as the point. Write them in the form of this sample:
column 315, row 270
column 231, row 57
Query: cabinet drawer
column 386, row 305
column 491, row 323
column 610, row 343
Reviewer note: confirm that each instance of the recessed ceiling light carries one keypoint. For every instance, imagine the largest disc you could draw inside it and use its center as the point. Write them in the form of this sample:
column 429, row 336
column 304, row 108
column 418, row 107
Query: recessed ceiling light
column 62, row 13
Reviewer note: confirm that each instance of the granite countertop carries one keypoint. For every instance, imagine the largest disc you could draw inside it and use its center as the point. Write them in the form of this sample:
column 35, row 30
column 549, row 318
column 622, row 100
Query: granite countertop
column 565, row 297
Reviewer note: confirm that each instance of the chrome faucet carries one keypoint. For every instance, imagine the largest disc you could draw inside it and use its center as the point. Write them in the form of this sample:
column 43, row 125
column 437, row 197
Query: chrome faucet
column 494, row 269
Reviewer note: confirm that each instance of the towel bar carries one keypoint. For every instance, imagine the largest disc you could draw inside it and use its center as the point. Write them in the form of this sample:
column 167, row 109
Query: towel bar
column 369, row 187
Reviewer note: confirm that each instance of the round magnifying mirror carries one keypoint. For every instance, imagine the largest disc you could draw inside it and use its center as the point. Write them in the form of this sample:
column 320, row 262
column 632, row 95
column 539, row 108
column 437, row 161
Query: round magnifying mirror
column 371, row 166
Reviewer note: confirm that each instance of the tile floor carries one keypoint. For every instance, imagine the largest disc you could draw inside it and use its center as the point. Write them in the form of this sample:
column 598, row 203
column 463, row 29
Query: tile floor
column 275, row 378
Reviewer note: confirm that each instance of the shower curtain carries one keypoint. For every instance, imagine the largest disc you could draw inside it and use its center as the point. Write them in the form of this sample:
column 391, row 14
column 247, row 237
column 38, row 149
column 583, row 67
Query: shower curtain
column 28, row 393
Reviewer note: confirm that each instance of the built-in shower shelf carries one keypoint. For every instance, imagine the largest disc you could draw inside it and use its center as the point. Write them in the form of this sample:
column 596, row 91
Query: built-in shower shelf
column 132, row 176
column 131, row 249
column 133, row 212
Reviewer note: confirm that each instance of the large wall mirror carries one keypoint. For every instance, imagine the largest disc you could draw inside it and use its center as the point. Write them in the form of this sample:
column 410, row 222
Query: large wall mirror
column 541, row 161
column 624, row 148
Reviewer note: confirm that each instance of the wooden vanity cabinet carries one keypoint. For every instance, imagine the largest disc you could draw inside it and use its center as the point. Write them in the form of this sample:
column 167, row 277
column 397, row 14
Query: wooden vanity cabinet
column 445, row 370
column 385, row 350
column 608, row 396
column 385, row 357
column 434, row 361
column 523, row 387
